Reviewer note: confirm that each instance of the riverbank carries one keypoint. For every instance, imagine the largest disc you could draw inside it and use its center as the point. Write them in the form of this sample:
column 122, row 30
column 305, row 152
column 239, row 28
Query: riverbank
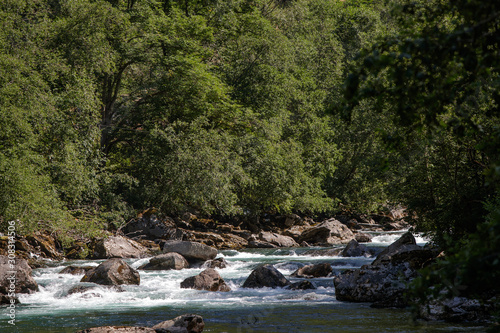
column 159, row 297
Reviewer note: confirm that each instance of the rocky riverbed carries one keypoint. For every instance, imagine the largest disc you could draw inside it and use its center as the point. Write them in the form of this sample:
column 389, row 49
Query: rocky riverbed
column 162, row 272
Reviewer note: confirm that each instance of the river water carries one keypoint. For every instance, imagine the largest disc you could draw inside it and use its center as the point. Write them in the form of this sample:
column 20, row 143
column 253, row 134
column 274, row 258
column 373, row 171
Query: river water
column 159, row 297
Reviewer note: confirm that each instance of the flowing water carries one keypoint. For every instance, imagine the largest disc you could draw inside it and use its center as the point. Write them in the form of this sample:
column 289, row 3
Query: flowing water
column 159, row 297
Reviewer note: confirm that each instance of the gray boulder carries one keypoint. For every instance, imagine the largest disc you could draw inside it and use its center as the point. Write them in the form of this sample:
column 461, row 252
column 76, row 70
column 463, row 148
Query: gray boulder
column 302, row 285
column 404, row 244
column 328, row 232
column 188, row 323
column 313, row 271
column 15, row 276
column 354, row 249
column 166, row 261
column 384, row 281
column 277, row 239
column 209, row 280
column 113, row 272
column 266, row 276
column 118, row 247
column 190, row 250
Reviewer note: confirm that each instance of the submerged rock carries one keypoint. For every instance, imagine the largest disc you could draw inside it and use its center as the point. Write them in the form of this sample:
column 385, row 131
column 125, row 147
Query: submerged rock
column 113, row 272
column 266, row 276
column 80, row 289
column 118, row 329
column 209, row 280
column 188, row 323
column 456, row 309
column 166, row 261
column 190, row 250
column 302, row 285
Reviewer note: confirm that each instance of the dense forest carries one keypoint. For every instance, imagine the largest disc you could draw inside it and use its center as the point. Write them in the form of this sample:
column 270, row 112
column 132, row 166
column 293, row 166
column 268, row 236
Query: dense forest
column 245, row 107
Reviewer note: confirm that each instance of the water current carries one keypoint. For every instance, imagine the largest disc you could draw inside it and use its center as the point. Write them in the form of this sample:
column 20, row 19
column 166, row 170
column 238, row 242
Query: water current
column 159, row 297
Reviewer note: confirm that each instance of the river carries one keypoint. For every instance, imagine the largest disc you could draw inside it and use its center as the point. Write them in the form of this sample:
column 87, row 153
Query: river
column 159, row 297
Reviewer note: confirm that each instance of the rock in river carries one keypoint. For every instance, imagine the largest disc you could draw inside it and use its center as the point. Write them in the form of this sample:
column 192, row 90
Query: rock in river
column 113, row 272
column 313, row 271
column 16, row 274
column 166, row 261
column 328, row 232
column 208, row 279
column 384, row 281
column 188, row 323
column 118, row 247
column 266, row 276
column 190, row 250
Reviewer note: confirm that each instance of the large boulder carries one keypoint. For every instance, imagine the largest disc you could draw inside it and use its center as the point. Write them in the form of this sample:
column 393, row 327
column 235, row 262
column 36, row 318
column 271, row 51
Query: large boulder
column 208, row 279
column 190, row 250
column 384, row 281
column 277, row 239
column 328, row 232
column 171, row 260
column 313, row 271
column 354, row 249
column 113, row 272
column 15, row 277
column 118, row 247
column 188, row 323
column 404, row 244
column 266, row 276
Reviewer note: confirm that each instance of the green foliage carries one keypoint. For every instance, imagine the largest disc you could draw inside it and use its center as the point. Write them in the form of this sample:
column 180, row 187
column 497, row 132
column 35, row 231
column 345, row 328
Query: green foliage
column 471, row 267
column 108, row 107
column 434, row 82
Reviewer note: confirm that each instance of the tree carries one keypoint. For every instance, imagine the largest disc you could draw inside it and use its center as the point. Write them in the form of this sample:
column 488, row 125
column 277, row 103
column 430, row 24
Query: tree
column 435, row 82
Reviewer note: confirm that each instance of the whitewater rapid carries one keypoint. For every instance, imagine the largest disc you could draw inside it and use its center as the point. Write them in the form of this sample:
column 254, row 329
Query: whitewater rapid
column 159, row 297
